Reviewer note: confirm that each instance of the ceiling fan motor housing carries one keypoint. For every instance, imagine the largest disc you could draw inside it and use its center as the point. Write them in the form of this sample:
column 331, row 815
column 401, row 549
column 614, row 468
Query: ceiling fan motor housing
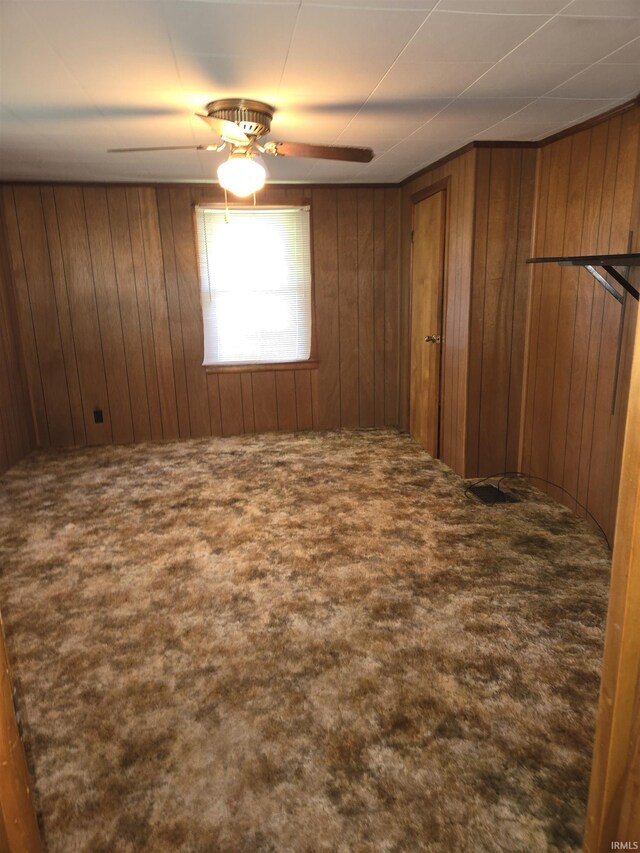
column 253, row 117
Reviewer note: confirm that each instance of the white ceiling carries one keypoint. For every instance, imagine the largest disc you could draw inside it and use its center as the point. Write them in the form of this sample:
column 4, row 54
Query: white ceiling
column 413, row 79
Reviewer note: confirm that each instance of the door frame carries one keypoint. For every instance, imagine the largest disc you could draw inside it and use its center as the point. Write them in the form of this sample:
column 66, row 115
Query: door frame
column 420, row 195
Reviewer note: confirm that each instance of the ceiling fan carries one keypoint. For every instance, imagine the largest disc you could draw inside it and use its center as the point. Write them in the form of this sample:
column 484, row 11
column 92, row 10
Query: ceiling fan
column 240, row 124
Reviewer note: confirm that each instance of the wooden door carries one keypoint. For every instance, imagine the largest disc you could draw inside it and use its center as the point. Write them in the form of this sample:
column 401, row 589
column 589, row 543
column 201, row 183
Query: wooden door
column 427, row 274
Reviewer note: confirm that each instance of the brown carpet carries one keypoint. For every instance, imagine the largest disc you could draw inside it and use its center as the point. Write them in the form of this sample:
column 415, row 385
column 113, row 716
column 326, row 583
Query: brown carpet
column 298, row 643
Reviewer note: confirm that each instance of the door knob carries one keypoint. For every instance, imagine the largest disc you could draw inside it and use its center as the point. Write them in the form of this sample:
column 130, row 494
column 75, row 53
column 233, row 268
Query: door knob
column 432, row 339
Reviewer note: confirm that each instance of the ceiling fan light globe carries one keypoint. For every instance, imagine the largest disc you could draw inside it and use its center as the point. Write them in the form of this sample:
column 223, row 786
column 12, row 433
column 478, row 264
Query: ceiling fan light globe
column 241, row 175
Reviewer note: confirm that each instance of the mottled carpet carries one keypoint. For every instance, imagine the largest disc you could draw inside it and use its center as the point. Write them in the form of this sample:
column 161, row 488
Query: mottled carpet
column 298, row 643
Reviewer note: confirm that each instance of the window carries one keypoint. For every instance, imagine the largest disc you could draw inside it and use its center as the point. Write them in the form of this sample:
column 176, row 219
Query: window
column 255, row 272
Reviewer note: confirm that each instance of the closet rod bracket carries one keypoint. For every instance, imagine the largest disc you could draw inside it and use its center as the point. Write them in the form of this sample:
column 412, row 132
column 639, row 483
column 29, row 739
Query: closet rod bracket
column 609, row 264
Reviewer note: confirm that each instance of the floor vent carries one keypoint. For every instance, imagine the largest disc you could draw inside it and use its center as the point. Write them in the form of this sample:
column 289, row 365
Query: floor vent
column 489, row 494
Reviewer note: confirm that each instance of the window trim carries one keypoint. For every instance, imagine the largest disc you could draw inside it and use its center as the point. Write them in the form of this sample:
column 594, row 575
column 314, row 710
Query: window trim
column 313, row 362
column 243, row 367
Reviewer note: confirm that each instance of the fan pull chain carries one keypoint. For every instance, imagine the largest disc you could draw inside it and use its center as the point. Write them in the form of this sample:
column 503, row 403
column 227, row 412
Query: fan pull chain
column 226, row 206
column 255, row 203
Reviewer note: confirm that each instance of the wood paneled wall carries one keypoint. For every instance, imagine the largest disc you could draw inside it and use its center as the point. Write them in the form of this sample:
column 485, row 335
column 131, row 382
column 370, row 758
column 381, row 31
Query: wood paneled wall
column 109, row 312
column 488, row 237
column 16, row 431
column 504, row 194
column 576, row 387
column 536, row 359
column 459, row 174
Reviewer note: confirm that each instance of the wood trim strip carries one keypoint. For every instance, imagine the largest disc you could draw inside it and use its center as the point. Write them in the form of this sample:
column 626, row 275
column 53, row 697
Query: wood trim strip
column 432, row 189
column 594, row 121
column 499, row 143
column 168, row 185
column 438, row 164
column 538, row 143
column 616, row 766
column 312, row 364
column 18, row 825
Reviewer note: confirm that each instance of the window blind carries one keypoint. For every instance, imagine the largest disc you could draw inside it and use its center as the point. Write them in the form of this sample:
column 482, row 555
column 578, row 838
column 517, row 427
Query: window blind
column 255, row 272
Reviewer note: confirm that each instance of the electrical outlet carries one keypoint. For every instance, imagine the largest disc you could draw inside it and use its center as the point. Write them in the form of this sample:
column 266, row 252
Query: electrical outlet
column 98, row 417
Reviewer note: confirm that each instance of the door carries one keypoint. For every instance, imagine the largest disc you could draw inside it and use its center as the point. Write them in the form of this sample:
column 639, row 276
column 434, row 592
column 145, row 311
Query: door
column 427, row 275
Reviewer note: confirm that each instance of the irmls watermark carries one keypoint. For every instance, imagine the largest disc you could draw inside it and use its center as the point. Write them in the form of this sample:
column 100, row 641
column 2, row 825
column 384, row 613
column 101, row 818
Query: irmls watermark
column 625, row 845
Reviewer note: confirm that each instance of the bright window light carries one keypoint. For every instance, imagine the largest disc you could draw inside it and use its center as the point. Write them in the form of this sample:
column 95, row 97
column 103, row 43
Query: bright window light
column 255, row 273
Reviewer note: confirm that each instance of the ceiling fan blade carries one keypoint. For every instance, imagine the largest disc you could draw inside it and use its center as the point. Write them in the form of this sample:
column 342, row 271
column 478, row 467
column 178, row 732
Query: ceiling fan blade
column 163, row 148
column 321, row 152
column 228, row 130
